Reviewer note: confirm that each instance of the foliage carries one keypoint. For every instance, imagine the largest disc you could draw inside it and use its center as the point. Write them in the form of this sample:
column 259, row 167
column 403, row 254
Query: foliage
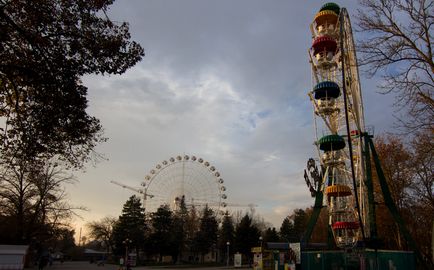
column 46, row 46
column 191, row 228
column 178, row 237
column 206, row 237
column 162, row 228
column 396, row 159
column 408, row 169
column 299, row 218
column 286, row 230
column 226, row 234
column 64, row 240
column 423, row 166
column 294, row 226
column 398, row 45
column 322, row 230
column 131, row 228
column 246, row 236
column 271, row 235
column 102, row 231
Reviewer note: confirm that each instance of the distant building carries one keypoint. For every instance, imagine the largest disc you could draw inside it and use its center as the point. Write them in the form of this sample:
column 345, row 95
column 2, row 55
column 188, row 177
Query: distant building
column 13, row 256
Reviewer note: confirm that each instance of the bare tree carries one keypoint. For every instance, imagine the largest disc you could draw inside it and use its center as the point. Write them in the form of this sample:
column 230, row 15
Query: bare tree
column 397, row 44
column 33, row 200
column 103, row 231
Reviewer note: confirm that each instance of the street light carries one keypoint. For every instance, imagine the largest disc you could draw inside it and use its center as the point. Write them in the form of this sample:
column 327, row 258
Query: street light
column 126, row 242
column 227, row 253
column 261, row 258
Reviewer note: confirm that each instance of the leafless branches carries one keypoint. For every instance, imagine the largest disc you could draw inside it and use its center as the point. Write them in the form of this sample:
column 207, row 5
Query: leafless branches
column 32, row 195
column 396, row 43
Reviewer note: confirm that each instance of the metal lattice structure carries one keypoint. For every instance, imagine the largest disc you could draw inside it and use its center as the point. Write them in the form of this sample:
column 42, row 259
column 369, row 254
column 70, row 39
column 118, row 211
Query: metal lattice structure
column 345, row 183
column 339, row 121
column 187, row 178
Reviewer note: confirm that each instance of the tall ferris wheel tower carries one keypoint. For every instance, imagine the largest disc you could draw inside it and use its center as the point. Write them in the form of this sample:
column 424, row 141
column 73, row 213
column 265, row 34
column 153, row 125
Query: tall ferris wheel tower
column 339, row 121
column 345, row 148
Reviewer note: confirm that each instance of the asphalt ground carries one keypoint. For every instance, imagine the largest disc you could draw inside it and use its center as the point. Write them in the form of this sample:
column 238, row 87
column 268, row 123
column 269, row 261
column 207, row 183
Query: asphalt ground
column 88, row 266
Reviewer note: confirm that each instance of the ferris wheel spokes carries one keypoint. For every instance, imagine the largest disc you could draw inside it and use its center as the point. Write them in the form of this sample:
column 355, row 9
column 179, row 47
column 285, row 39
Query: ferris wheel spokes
column 185, row 178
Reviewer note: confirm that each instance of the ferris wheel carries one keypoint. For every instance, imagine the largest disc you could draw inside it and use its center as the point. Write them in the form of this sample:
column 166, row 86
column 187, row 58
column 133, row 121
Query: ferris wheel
column 184, row 178
column 339, row 122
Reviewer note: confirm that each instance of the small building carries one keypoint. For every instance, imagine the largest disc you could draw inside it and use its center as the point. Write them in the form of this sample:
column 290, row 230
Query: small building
column 95, row 255
column 274, row 256
column 13, row 256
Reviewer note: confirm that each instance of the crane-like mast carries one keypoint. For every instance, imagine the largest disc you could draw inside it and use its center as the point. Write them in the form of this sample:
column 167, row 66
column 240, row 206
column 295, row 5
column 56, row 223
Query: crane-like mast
column 138, row 190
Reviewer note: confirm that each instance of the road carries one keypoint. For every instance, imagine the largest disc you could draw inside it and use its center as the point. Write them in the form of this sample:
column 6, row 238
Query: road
column 88, row 266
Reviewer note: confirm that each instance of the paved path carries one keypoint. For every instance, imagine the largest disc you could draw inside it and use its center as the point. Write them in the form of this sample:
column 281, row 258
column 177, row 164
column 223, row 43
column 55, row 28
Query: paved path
column 89, row 266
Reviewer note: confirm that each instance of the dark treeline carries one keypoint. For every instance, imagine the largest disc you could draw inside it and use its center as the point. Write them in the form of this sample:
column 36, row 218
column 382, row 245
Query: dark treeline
column 189, row 234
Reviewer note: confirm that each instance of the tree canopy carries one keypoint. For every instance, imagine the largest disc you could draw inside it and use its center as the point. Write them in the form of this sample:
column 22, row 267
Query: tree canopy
column 131, row 225
column 33, row 202
column 102, row 231
column 206, row 237
column 397, row 44
column 246, row 236
column 408, row 168
column 45, row 48
column 226, row 235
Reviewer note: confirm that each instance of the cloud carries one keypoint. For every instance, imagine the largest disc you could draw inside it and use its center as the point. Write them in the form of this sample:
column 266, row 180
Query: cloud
column 223, row 80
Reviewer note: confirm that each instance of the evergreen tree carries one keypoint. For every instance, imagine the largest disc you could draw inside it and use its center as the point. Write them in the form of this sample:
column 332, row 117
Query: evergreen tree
column 226, row 234
column 191, row 228
column 131, row 227
column 246, row 236
column 162, row 227
column 206, row 237
column 271, row 235
column 286, row 230
column 300, row 220
column 179, row 230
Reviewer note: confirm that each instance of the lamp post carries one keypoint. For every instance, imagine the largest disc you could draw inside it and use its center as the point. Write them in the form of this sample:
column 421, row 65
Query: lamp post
column 126, row 242
column 227, row 253
column 261, row 258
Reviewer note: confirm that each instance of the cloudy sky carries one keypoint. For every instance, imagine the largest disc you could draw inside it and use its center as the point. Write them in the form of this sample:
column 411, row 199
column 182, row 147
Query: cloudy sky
column 223, row 80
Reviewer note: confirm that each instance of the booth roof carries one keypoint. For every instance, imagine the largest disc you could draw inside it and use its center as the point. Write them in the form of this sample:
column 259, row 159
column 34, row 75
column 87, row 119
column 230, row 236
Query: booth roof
column 13, row 249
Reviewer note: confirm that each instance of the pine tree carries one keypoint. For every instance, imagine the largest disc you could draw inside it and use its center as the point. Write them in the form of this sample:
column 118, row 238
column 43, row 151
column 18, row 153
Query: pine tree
column 206, row 237
column 162, row 228
column 246, row 236
column 271, row 235
column 131, row 228
column 179, row 230
column 286, row 230
column 226, row 235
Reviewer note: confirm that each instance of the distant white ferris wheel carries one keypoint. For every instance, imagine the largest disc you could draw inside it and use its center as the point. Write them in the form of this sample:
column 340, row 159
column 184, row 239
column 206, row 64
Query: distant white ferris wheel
column 184, row 177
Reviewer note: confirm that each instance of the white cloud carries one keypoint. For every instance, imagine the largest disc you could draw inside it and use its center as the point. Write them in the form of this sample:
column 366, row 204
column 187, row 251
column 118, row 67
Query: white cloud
column 224, row 80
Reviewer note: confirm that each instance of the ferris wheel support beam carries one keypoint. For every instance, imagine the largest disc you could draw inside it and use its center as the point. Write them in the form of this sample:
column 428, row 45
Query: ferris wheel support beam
column 388, row 200
column 370, row 190
column 317, row 207
column 350, row 147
